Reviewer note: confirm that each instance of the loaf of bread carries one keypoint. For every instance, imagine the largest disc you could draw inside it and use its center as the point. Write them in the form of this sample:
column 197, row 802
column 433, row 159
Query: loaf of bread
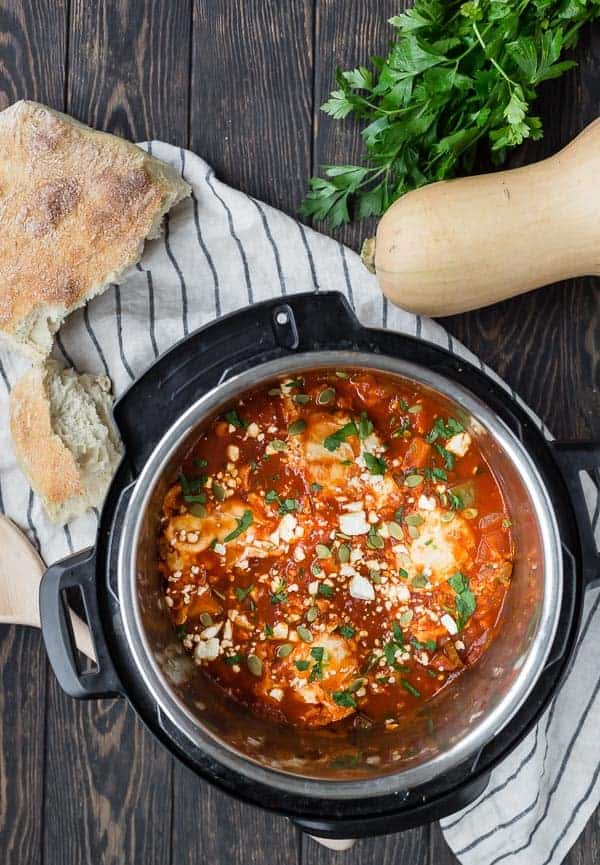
column 64, row 437
column 75, row 207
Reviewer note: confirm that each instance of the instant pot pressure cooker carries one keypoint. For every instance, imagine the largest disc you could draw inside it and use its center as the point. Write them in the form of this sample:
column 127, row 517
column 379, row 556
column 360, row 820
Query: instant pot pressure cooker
column 331, row 783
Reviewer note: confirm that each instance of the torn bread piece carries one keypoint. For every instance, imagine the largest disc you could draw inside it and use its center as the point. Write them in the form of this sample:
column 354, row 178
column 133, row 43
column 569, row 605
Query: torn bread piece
column 76, row 206
column 64, row 438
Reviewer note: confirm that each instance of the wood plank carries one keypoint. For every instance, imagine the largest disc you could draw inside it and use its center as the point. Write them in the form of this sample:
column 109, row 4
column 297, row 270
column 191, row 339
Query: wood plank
column 32, row 51
column 129, row 67
column 347, row 35
column 251, row 97
column 251, row 102
column 108, row 785
column 410, row 846
column 225, row 831
column 26, row 72
column 22, row 708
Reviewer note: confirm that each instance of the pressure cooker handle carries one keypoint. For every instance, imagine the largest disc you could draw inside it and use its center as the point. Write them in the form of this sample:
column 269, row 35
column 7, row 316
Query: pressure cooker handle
column 77, row 571
column 247, row 337
column 573, row 459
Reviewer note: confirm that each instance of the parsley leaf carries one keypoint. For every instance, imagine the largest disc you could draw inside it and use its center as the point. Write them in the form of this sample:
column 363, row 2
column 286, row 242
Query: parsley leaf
column 333, row 441
column 242, row 525
column 376, row 465
column 459, row 77
column 465, row 602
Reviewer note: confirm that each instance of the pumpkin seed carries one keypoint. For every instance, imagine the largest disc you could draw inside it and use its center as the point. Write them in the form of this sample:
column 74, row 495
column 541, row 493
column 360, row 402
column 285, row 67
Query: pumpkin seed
column 197, row 509
column 406, row 617
column 219, row 492
column 255, row 665
column 275, row 391
column 341, row 374
column 206, row 619
column 326, row 396
column 413, row 480
column 304, row 634
column 343, row 553
column 322, row 551
column 395, row 531
column 414, row 532
column 297, row 427
column 301, row 398
column 356, row 685
column 277, row 445
column 312, row 614
column 470, row 513
column 414, row 520
column 447, row 517
column 284, row 650
column 415, row 409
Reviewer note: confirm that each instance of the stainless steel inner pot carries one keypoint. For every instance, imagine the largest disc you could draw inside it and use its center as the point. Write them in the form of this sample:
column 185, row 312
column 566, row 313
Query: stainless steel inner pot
column 445, row 732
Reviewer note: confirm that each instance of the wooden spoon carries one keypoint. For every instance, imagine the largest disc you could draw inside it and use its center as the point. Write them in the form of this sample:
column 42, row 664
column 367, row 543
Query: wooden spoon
column 462, row 244
column 21, row 571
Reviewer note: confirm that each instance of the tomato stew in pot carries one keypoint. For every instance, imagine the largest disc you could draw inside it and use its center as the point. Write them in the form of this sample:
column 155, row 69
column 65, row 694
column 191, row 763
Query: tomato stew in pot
column 336, row 547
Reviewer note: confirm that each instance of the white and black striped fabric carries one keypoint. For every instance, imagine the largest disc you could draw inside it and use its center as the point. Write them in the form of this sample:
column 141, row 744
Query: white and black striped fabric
column 222, row 250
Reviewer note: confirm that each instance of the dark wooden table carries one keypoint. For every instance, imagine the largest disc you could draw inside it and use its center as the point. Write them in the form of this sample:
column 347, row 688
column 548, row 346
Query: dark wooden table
column 239, row 82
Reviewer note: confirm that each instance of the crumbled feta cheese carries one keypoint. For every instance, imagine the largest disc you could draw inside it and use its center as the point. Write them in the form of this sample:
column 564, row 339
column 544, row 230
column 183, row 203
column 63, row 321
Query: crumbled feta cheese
column 426, row 503
column 253, row 430
column 276, row 694
column 211, row 631
column 219, row 549
column 233, row 453
column 286, row 527
column 354, row 523
column 361, row 589
column 207, row 650
column 449, row 623
column 313, row 587
column 280, row 631
column 227, row 631
column 353, row 506
column 299, row 554
column 459, row 444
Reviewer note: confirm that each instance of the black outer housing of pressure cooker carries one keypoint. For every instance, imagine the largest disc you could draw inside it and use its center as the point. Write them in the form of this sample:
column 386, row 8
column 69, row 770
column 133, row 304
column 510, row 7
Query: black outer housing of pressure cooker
column 235, row 343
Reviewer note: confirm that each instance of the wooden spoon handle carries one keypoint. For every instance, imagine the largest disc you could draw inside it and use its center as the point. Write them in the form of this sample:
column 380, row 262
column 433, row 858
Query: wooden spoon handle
column 463, row 244
column 21, row 571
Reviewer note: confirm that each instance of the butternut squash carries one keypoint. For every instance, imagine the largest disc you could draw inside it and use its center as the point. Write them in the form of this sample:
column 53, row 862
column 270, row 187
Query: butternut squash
column 463, row 244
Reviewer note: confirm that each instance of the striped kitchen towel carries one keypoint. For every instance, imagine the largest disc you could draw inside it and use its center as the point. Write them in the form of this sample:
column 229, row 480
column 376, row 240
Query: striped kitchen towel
column 222, row 250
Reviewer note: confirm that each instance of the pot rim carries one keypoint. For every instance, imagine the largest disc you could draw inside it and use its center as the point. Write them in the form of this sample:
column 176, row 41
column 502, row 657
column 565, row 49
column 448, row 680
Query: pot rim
column 189, row 724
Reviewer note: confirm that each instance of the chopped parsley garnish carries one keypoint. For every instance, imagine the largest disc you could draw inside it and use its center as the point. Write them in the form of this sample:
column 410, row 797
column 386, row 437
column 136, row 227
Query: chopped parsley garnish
column 320, row 656
column 365, row 427
column 242, row 594
column 191, row 488
column 465, row 602
column 269, row 632
column 346, row 631
column 242, row 526
column 286, row 506
column 376, row 465
column 302, row 665
column 280, row 595
column 301, row 398
column 233, row 659
column 325, row 590
column 403, row 573
column 235, row 420
column 446, row 456
column 180, row 631
column 345, row 699
column 428, row 645
column 443, row 430
column 397, row 632
column 410, row 688
column 333, row 441
column 455, row 501
column 419, row 581
column 435, row 474
column 201, row 463
column 399, row 514
column 315, row 487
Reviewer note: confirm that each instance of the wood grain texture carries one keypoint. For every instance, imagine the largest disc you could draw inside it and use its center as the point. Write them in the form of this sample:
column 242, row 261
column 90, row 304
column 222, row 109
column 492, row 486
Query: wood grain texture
column 107, row 795
column 32, row 51
column 23, row 668
column 346, row 35
column 129, row 67
column 224, row 830
column 242, row 82
column 251, row 97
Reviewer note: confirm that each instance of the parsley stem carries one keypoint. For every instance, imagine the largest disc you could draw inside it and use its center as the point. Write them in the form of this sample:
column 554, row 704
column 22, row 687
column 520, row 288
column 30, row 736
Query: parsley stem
column 494, row 62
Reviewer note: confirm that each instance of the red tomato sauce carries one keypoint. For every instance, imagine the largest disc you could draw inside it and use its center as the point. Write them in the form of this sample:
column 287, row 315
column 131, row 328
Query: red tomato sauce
column 336, row 547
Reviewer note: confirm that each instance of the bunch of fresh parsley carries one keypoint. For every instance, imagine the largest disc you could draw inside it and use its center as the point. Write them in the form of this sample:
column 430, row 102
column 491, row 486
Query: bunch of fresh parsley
column 458, row 75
